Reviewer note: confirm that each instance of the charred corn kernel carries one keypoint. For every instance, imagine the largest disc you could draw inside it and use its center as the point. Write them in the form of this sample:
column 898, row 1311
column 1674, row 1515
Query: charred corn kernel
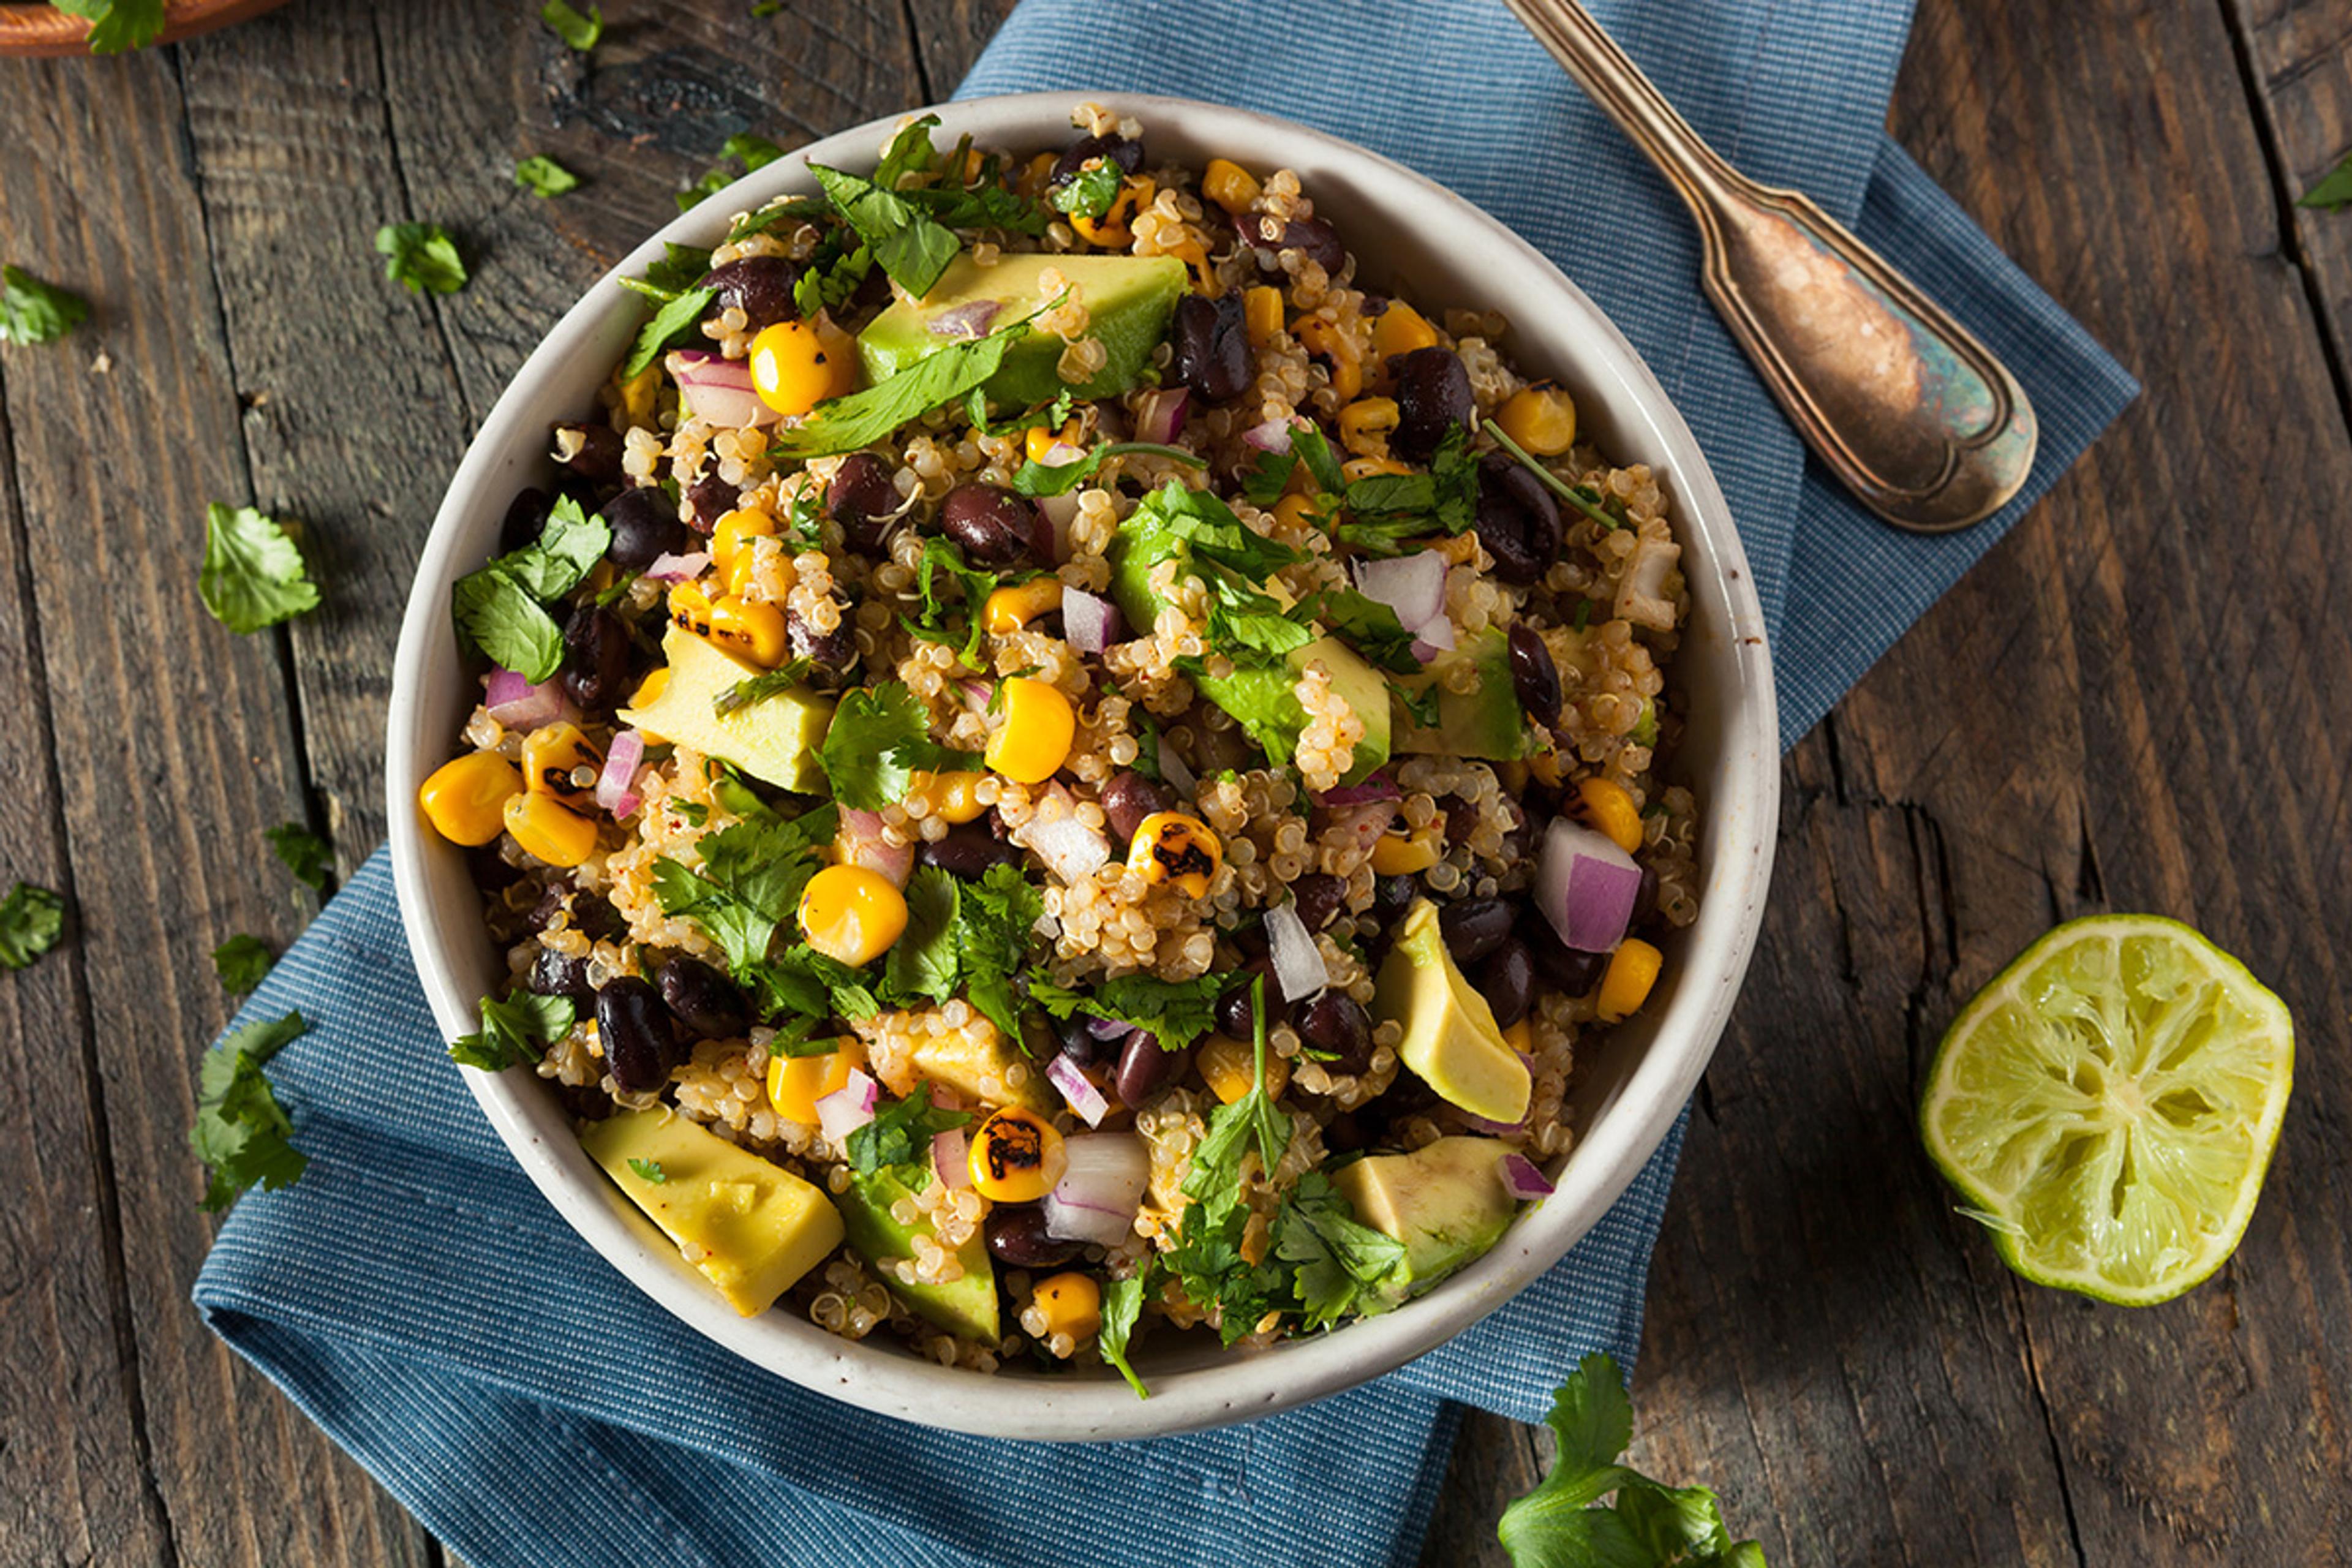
column 1402, row 854
column 1229, row 1067
column 1295, row 511
column 1540, row 418
column 464, row 800
column 745, row 522
column 689, row 607
column 1633, row 971
column 1172, row 847
column 840, row 356
column 1034, row 740
column 557, row 759
column 796, row 1083
column 791, row 368
column 1399, row 330
column 1608, row 806
column 954, row 797
column 852, row 914
column 1017, row 1157
column 1069, row 1304
column 754, row 631
column 637, row 391
column 1135, row 194
column 650, row 689
column 1229, row 185
column 550, row 830
column 1365, row 468
column 1326, row 338
column 1520, row 1036
column 1042, row 438
column 1365, row 424
column 1262, row 313
column 1544, row 768
column 1016, row 605
column 1195, row 254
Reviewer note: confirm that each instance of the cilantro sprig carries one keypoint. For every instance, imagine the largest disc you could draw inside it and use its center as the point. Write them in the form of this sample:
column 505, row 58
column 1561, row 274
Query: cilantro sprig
column 500, row 608
column 907, row 244
column 1576, row 496
column 879, row 738
column 956, row 622
column 32, row 311
column 308, row 857
column 1176, row 1012
column 861, row 418
column 421, row 258
column 748, row 887
column 242, row 963
column 32, row 921
column 254, row 574
column 516, row 1031
column 543, row 176
column 578, row 32
column 900, row 1134
column 241, row 1132
column 1035, row 478
column 966, row 939
column 751, row 152
column 118, row 24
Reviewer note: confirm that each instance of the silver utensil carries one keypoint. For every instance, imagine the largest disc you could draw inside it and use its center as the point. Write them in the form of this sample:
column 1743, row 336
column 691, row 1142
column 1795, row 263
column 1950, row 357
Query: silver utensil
column 1912, row 413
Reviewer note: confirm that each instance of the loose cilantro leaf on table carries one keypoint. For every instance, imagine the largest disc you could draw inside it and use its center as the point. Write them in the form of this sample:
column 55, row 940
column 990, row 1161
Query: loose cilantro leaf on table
column 32, row 919
column 242, row 961
column 515, row 1031
column 421, row 256
column 543, row 176
column 912, row 248
column 744, row 147
column 1177, row 1012
column 254, row 574
column 861, row 418
column 879, row 738
column 32, row 311
column 1037, row 479
column 500, row 608
column 1089, row 193
column 650, row 1171
column 1122, row 1305
column 1650, row 1525
column 303, row 852
column 241, row 1131
column 118, row 24
column 578, row 31
column 901, row 1134
column 2334, row 189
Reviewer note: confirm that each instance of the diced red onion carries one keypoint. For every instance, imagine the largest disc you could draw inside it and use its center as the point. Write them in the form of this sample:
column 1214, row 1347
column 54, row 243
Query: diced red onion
column 717, row 389
column 1090, row 621
column 668, row 568
column 1059, row 512
column 1098, row 1195
column 977, row 693
column 1586, row 885
column 861, row 843
column 1412, row 585
column 1298, row 966
column 516, row 703
column 1522, row 1180
column 846, row 1108
column 1061, row 454
column 621, row 764
column 1070, row 849
column 951, row 1155
column 1179, row 778
column 1079, row 1090
column 1274, row 435
column 1433, row 638
column 1109, row 1028
column 1159, row 416
column 968, row 320
column 1379, row 788
column 946, row 1097
column 1365, row 823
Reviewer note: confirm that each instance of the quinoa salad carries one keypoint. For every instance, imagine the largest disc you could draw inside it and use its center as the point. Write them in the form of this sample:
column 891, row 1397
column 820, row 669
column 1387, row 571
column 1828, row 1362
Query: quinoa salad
column 1056, row 767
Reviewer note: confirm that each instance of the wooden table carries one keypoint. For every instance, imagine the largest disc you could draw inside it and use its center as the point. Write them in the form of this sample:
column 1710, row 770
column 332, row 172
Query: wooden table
column 2134, row 703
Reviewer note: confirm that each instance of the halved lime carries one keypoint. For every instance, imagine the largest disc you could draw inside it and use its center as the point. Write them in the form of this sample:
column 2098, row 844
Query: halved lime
column 2109, row 1103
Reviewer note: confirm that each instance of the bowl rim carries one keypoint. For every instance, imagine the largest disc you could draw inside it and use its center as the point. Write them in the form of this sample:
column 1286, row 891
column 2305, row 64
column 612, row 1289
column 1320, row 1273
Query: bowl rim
column 1230, row 1386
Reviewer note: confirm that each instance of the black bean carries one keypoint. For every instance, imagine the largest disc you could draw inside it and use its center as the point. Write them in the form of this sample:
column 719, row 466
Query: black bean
column 1433, row 395
column 969, row 850
column 599, row 454
column 1144, row 1070
column 835, row 650
column 596, row 657
column 1392, row 896
column 1519, row 522
column 1343, row 1134
column 995, row 526
column 526, row 515
column 1567, row 970
column 1461, row 821
column 1646, row 899
column 1535, row 678
column 490, row 868
column 704, row 1000
column 711, row 498
column 551, row 901
column 1130, row 797
column 862, row 500
column 1112, row 147
column 645, row 527
column 1017, row 1238
column 1236, row 1016
column 554, row 974
column 759, row 286
column 1508, row 981
column 1320, row 896
column 1211, row 346
column 1085, row 1046
column 596, row 918
column 1474, row 928
column 640, row 1042
column 1311, row 237
column 1337, row 1022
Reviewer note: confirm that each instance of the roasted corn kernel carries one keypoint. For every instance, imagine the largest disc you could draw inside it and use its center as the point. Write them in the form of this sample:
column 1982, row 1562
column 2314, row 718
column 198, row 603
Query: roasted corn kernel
column 748, row 630
column 1017, row 1157
column 852, row 914
column 1229, row 185
column 954, row 797
column 1365, row 424
column 1399, row 330
column 1328, row 340
column 557, row 759
column 1262, row 313
column 1042, row 439
column 1356, row 468
column 1295, row 511
column 1520, row 1036
column 1135, row 194
column 1229, row 1067
column 1016, row 604
column 464, row 800
column 1033, row 741
column 1633, row 971
column 1605, row 803
column 1541, row 418
column 796, row 1083
column 1403, row 855
column 1179, row 849
column 1070, row 1304
column 791, row 367
column 550, row 830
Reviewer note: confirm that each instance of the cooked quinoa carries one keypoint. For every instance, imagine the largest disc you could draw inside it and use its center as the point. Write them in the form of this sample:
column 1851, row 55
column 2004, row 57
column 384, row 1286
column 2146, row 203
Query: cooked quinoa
column 1016, row 915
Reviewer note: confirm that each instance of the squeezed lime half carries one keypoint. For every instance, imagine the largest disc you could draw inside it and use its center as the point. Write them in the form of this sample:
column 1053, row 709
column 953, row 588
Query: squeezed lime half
column 2108, row 1104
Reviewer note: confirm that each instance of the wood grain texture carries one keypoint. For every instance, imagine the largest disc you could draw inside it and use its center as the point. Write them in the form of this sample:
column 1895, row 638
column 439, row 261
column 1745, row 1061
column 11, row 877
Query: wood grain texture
column 2299, row 55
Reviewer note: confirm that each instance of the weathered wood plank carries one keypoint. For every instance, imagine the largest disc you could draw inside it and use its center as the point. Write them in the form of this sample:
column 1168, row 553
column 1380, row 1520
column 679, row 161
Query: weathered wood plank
column 1494, row 1460
column 2301, row 58
column 174, row 746
column 950, row 34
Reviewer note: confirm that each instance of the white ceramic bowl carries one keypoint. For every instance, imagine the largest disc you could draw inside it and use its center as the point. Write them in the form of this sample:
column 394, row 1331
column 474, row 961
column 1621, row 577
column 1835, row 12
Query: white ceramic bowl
column 1628, row 1092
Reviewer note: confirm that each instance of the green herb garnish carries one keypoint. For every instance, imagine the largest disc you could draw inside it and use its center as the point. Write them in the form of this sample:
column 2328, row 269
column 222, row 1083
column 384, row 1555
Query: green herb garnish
column 500, row 608
column 254, row 574
column 861, row 418
column 1366, row 625
column 421, row 256
column 2333, row 190
column 543, row 176
column 1122, row 1305
column 968, row 939
column 1208, row 1258
column 900, row 1135
column 32, row 919
column 1385, row 510
column 748, row 887
column 879, row 738
column 1089, row 193
column 757, row 689
column 578, row 31
column 650, row 1171
column 1576, row 496
column 1341, row 1265
column 241, row 1131
column 744, row 148
column 673, row 321
column 118, row 24
column 32, row 311
column 304, row 853
column 1176, row 1012
column 912, row 248
column 515, row 1031
column 241, row 963
column 943, row 560
column 1037, row 479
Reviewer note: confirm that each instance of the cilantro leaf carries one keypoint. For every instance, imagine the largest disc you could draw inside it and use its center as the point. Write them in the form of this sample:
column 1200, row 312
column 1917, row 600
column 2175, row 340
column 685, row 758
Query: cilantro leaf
column 32, row 919
column 2334, row 189
column 880, row 736
column 910, row 248
column 118, row 24
column 911, row 152
column 781, row 210
column 303, row 852
column 498, row 607
column 578, row 31
column 1366, row 625
column 861, row 418
column 1268, row 476
column 754, row 689
column 1089, row 193
column 515, row 1031
column 680, row 269
column 749, row 886
column 543, row 176
column 421, row 256
column 1037, row 479
column 254, row 574
column 32, row 311
column 1177, row 1012
column 1650, row 1526
column 834, row 272
column 1240, row 617
column 901, row 1134
column 241, row 1131
column 673, row 321
column 923, row 962
column 242, row 961
column 1175, row 518
column 1312, row 448
column 1342, row 1266
column 944, row 557
column 650, row 1171
column 968, row 939
column 1122, row 1305
column 1383, row 509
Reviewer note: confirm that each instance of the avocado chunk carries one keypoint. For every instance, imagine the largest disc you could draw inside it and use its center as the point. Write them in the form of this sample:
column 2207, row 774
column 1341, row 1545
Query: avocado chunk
column 775, row 739
column 1445, row 1201
column 752, row 1226
column 1484, row 721
column 1450, row 1036
column 967, row 1308
column 1128, row 299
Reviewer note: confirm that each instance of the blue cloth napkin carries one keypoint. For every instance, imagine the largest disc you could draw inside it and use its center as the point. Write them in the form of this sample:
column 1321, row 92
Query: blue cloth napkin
column 415, row 1296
